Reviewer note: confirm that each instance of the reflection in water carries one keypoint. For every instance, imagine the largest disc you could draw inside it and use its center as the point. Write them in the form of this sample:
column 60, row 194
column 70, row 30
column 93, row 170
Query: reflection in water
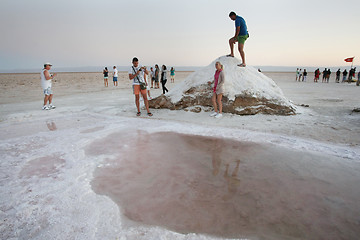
column 232, row 180
column 51, row 125
column 194, row 184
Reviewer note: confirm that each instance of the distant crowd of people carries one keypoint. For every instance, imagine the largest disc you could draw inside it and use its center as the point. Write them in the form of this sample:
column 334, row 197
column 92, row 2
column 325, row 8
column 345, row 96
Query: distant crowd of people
column 143, row 81
column 155, row 74
column 326, row 74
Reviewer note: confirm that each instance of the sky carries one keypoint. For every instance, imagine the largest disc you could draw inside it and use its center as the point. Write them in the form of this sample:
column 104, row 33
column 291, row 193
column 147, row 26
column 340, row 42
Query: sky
column 76, row 33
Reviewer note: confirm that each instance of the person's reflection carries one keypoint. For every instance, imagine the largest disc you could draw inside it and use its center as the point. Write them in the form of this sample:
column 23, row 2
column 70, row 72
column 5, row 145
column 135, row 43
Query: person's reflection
column 215, row 155
column 232, row 180
column 217, row 148
column 51, row 125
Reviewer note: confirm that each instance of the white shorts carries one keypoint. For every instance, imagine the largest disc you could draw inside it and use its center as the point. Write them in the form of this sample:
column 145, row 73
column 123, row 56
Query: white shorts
column 48, row 91
column 148, row 87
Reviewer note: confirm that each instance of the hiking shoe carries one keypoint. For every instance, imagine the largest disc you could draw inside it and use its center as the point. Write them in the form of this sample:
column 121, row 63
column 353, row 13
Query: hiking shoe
column 218, row 115
column 213, row 114
column 45, row 108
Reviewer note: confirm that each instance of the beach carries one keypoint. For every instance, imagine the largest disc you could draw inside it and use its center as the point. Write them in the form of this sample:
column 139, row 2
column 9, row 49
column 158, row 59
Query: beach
column 74, row 172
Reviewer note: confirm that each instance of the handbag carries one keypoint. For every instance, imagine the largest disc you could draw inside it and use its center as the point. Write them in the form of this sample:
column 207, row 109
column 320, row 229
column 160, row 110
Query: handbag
column 142, row 86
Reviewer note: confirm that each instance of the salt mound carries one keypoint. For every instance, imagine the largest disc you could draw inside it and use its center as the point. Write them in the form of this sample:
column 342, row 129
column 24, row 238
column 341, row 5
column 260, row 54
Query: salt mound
column 247, row 91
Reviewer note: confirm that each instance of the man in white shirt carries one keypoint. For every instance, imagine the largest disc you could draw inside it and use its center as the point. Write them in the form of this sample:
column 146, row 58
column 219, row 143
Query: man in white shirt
column 136, row 74
column 115, row 76
column 46, row 85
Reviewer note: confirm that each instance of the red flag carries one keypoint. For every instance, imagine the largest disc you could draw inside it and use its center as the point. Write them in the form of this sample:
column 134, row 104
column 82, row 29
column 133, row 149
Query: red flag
column 349, row 59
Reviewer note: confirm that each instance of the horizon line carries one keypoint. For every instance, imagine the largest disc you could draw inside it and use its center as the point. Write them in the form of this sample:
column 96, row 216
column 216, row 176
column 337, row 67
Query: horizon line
column 181, row 66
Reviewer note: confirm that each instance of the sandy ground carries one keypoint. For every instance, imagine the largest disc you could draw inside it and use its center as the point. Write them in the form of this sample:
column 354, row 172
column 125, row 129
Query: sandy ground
column 329, row 117
column 78, row 172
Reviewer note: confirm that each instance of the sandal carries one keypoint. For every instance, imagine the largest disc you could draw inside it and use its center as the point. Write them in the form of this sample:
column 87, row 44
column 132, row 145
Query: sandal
column 138, row 114
column 229, row 55
column 149, row 114
column 242, row 65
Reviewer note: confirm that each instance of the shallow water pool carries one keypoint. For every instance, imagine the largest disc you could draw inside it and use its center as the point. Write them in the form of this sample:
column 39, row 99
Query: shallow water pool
column 228, row 188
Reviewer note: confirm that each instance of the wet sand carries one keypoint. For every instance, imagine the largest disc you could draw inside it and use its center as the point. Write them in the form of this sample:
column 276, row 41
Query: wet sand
column 227, row 188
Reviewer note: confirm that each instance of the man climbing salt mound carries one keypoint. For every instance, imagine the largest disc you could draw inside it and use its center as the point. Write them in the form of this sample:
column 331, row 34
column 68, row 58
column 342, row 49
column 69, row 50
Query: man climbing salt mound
column 241, row 35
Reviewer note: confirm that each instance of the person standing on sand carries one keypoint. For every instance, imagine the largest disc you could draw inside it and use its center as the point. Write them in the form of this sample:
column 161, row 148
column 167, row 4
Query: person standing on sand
column 324, row 75
column 297, row 74
column 157, row 75
column 241, row 35
column 147, row 84
column 136, row 74
column 317, row 75
column 115, row 76
column 344, row 75
column 351, row 73
column 300, row 75
column 218, row 90
column 46, row 84
column 338, row 73
column 304, row 75
column 172, row 74
column 328, row 73
column 152, row 75
column 106, row 77
column 354, row 71
column 164, row 79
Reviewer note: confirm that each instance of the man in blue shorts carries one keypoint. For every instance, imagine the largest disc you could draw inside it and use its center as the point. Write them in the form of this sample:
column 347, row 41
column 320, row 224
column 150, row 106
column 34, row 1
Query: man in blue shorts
column 241, row 34
column 115, row 76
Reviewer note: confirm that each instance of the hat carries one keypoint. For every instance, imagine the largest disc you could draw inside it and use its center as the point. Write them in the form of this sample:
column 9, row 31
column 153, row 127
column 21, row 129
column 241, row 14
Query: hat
column 45, row 64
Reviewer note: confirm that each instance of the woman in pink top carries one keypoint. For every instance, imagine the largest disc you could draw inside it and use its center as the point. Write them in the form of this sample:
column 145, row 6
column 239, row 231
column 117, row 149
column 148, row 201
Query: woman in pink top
column 218, row 90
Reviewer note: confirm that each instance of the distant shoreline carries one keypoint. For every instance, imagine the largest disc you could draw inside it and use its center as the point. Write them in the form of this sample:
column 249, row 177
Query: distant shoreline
column 272, row 69
column 19, row 73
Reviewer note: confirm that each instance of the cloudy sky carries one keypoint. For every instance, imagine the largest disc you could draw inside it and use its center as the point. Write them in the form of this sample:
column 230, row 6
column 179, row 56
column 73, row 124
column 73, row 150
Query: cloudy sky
column 74, row 33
